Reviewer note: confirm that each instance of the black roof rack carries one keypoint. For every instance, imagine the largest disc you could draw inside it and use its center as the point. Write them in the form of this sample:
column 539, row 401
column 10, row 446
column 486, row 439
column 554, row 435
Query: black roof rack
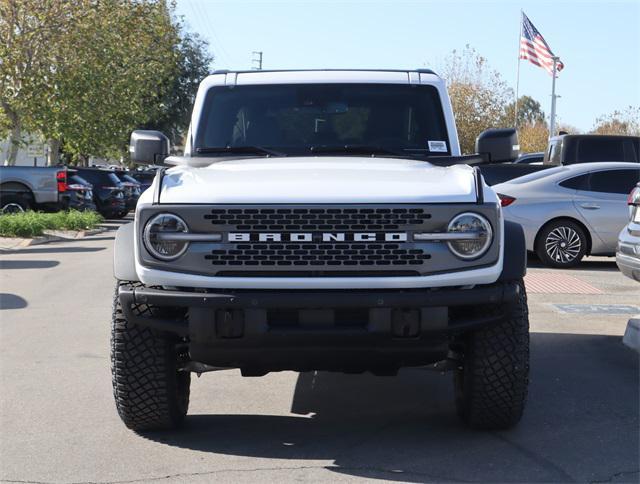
column 243, row 71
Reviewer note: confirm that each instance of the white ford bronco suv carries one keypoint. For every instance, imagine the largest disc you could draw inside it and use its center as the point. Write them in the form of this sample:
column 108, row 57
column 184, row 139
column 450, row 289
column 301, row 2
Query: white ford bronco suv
column 320, row 220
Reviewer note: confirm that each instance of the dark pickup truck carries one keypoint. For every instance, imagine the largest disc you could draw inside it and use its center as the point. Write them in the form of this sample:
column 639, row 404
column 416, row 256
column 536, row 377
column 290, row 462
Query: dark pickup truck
column 567, row 150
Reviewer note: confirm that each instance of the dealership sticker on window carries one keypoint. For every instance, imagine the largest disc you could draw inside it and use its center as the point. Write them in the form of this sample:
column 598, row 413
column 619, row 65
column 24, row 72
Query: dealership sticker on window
column 437, row 146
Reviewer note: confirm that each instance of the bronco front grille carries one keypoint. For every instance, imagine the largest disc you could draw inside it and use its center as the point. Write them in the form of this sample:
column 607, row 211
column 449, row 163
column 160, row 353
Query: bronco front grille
column 316, row 254
column 330, row 218
column 304, row 254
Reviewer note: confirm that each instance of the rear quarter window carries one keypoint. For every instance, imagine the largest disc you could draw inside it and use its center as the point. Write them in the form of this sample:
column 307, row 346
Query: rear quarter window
column 580, row 182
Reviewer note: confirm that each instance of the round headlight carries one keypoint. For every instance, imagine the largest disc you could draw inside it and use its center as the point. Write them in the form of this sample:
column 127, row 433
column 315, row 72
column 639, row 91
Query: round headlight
column 158, row 236
column 479, row 231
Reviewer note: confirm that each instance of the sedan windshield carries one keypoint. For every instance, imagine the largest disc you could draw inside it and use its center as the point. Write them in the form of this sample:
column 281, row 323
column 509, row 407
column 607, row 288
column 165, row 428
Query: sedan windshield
column 323, row 119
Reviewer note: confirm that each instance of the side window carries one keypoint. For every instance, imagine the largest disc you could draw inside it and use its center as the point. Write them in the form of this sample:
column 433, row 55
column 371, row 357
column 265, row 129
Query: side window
column 631, row 150
column 576, row 183
column 614, row 181
column 554, row 156
column 549, row 151
column 89, row 176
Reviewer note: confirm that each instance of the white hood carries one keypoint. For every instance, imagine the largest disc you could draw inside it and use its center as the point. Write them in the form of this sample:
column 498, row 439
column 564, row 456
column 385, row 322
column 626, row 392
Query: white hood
column 319, row 180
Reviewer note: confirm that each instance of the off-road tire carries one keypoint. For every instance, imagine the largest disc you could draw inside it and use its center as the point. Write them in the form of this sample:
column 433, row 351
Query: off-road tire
column 544, row 245
column 150, row 393
column 491, row 385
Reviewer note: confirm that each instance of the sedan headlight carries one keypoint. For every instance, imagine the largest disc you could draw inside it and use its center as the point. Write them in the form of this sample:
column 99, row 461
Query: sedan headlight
column 475, row 235
column 160, row 236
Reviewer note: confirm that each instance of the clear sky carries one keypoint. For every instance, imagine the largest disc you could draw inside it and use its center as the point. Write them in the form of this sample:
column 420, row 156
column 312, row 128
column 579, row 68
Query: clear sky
column 599, row 42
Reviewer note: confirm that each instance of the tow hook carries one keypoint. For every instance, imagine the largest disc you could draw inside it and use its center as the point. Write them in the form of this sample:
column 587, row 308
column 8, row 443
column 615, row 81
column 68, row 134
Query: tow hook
column 453, row 361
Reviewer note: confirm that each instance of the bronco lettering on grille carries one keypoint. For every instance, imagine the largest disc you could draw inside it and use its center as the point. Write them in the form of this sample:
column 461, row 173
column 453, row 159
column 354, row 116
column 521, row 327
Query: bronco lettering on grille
column 318, row 236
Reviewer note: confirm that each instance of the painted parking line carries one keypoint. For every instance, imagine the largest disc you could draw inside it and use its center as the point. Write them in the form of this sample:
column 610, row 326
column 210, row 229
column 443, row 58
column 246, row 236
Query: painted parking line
column 597, row 308
column 557, row 283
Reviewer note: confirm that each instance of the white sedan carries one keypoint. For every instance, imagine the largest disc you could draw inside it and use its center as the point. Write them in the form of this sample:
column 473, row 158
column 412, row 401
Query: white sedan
column 571, row 211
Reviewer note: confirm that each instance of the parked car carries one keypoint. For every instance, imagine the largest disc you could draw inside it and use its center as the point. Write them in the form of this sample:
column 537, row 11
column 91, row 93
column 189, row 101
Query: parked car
column 108, row 193
column 80, row 192
column 529, row 158
column 571, row 211
column 591, row 148
column 568, row 149
column 144, row 177
column 628, row 252
column 29, row 187
column 131, row 188
column 495, row 173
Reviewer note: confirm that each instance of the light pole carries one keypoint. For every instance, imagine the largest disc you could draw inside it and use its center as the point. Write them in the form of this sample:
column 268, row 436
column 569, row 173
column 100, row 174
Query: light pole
column 257, row 59
column 552, row 121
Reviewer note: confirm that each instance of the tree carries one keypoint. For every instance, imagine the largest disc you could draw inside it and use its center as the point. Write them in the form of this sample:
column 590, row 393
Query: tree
column 84, row 73
column 478, row 94
column 193, row 64
column 533, row 132
column 566, row 128
column 111, row 72
column 626, row 122
column 529, row 112
column 28, row 30
column 533, row 137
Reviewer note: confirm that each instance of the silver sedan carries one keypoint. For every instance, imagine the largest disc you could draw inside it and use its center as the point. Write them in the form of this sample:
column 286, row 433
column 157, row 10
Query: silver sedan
column 571, row 211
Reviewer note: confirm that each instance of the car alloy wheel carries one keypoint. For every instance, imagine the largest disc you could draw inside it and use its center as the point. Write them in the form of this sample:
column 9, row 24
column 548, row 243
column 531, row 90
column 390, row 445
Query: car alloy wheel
column 563, row 244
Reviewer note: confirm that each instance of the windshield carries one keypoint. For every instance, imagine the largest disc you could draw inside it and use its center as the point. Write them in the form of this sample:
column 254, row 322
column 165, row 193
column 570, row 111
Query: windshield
column 129, row 179
column 293, row 119
column 114, row 179
column 80, row 180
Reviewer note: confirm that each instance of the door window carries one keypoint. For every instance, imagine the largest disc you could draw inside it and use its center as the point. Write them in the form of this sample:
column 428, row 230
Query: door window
column 613, row 181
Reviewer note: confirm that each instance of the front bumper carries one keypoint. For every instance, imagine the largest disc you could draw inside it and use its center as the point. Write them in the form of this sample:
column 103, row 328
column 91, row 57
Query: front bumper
column 318, row 330
column 628, row 253
column 629, row 265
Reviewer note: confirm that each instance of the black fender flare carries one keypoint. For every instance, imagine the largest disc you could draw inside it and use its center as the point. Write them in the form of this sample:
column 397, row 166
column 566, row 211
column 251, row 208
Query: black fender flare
column 514, row 262
column 124, row 256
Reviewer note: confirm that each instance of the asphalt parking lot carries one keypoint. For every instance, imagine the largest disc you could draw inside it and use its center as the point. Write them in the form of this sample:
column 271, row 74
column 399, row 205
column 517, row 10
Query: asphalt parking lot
column 59, row 424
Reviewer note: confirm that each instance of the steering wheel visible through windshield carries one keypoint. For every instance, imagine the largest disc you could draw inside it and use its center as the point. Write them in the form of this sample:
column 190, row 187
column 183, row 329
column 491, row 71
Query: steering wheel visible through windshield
column 303, row 119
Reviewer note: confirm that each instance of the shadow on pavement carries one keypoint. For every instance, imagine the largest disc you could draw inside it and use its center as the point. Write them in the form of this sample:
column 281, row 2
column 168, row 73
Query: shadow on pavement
column 12, row 301
column 98, row 238
column 52, row 249
column 114, row 224
column 608, row 265
column 581, row 422
column 28, row 264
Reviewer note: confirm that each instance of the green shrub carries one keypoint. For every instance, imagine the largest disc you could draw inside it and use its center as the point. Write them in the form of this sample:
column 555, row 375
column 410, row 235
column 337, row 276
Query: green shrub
column 32, row 224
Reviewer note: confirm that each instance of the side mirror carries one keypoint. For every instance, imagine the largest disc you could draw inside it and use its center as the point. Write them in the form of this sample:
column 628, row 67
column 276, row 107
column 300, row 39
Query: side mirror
column 148, row 147
column 498, row 145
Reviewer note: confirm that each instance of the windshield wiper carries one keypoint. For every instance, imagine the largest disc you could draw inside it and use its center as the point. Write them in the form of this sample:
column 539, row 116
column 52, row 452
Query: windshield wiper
column 354, row 149
column 251, row 150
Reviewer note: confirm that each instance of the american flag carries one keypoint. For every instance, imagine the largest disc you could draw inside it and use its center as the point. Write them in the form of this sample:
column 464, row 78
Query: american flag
column 534, row 48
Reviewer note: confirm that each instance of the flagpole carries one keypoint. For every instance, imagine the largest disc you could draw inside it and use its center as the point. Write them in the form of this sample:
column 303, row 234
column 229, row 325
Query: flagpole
column 552, row 121
column 515, row 109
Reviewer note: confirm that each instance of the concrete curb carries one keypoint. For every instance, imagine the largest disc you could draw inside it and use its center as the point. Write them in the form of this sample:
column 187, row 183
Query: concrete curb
column 631, row 336
column 11, row 243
